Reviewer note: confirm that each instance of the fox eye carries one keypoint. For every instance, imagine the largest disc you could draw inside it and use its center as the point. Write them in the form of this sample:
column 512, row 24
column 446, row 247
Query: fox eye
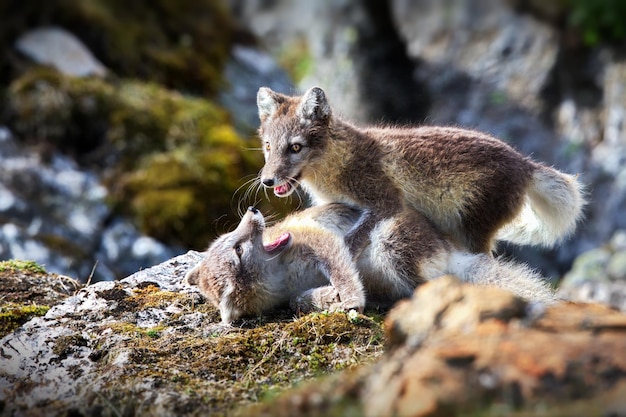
column 238, row 250
column 267, row 146
column 295, row 148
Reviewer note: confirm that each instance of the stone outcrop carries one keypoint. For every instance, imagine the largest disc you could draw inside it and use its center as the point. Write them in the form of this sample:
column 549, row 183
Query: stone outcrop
column 150, row 345
column 460, row 349
column 60, row 49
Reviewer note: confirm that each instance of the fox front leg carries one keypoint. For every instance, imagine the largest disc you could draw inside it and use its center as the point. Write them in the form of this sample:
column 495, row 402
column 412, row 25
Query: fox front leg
column 329, row 254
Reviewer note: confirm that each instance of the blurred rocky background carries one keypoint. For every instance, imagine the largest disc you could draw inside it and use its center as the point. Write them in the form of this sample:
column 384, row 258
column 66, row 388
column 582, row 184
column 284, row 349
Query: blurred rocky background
column 128, row 129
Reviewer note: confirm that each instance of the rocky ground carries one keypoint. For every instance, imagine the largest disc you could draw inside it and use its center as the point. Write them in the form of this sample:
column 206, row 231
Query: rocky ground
column 150, row 345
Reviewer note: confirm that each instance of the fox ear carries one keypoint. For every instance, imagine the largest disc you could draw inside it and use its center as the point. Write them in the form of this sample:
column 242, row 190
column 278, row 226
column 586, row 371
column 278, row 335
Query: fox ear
column 191, row 278
column 266, row 101
column 314, row 105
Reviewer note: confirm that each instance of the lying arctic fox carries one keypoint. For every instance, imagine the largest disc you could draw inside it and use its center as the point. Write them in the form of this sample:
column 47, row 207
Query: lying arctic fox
column 305, row 261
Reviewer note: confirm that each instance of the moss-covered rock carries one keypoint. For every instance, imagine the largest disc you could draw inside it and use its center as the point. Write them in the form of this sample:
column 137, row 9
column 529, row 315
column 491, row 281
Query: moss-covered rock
column 171, row 161
column 150, row 345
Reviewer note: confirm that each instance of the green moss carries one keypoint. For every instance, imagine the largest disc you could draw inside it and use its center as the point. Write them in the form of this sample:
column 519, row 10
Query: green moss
column 296, row 59
column 13, row 315
column 237, row 366
column 17, row 265
column 152, row 296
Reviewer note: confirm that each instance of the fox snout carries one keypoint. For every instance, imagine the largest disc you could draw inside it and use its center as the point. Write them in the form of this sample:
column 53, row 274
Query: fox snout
column 252, row 222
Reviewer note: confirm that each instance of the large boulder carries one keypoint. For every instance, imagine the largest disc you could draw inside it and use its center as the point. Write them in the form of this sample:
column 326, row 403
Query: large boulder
column 457, row 349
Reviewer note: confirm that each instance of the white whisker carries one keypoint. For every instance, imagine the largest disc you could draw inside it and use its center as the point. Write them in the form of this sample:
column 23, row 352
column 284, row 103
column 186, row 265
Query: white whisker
column 273, row 257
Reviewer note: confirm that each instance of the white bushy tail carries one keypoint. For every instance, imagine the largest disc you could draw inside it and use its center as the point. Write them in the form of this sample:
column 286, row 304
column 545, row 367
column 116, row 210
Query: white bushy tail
column 482, row 269
column 554, row 204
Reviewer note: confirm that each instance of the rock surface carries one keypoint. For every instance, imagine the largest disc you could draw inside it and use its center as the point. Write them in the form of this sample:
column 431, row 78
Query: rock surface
column 57, row 47
column 459, row 349
column 55, row 213
column 149, row 345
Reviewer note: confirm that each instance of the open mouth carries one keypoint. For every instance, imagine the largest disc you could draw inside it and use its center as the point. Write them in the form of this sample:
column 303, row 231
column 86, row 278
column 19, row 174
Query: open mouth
column 285, row 189
column 279, row 244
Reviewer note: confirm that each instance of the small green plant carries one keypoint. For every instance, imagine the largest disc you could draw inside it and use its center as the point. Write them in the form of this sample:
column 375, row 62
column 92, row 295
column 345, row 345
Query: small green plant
column 153, row 333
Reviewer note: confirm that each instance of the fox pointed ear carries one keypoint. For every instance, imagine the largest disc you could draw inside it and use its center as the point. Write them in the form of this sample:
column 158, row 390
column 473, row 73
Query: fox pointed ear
column 314, row 105
column 191, row 277
column 266, row 101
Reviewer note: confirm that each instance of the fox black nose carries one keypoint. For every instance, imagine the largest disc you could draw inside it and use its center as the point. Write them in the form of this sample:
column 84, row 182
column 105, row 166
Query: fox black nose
column 268, row 182
column 253, row 209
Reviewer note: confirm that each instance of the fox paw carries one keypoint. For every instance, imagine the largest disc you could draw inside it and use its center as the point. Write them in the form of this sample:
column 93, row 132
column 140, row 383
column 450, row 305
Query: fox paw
column 358, row 305
column 325, row 298
column 316, row 299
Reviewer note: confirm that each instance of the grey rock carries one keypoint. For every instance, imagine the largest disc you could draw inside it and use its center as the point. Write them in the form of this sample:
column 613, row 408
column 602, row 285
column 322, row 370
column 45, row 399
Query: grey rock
column 588, row 291
column 355, row 54
column 247, row 70
column 599, row 275
column 65, row 376
column 56, row 214
column 62, row 50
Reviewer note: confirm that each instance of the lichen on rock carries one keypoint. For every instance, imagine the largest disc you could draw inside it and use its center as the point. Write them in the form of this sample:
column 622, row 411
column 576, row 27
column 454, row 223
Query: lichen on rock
column 150, row 345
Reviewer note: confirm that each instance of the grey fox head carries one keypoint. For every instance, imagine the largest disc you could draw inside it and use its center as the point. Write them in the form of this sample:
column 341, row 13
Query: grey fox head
column 231, row 276
column 293, row 134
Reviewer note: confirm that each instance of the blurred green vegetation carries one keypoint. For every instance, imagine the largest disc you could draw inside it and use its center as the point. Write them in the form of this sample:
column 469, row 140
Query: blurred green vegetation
column 171, row 161
column 599, row 20
column 168, row 153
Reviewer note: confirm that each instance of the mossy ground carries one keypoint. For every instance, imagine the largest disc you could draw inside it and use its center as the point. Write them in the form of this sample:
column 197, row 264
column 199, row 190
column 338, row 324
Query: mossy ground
column 212, row 369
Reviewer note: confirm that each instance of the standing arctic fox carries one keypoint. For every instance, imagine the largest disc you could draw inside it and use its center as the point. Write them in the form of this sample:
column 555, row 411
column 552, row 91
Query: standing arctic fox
column 303, row 260
column 473, row 187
